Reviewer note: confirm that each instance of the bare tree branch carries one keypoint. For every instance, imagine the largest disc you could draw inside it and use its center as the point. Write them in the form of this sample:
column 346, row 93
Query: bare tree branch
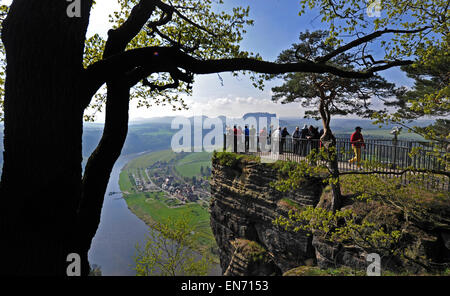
column 176, row 43
column 170, row 9
column 120, row 37
column 363, row 40
column 166, row 58
column 176, row 75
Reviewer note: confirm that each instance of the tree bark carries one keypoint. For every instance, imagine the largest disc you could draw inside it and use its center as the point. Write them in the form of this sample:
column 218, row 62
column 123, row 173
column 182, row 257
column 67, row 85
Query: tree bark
column 329, row 142
column 41, row 182
column 99, row 166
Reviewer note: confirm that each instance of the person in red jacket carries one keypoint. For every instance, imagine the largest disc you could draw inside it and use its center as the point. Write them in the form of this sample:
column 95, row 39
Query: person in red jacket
column 357, row 141
column 235, row 137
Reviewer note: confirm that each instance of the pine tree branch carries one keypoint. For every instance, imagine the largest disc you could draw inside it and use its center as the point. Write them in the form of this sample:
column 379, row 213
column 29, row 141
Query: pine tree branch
column 363, row 40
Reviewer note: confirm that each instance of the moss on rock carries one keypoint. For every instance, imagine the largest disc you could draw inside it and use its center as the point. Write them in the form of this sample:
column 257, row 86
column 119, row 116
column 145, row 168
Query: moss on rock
column 316, row 271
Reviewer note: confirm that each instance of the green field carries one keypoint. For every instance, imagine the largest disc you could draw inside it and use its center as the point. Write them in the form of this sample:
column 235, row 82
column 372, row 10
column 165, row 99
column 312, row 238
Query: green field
column 195, row 157
column 156, row 206
column 190, row 165
column 149, row 159
column 192, row 169
column 186, row 165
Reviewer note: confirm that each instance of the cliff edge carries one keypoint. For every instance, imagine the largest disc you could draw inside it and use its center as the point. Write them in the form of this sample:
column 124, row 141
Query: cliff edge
column 244, row 206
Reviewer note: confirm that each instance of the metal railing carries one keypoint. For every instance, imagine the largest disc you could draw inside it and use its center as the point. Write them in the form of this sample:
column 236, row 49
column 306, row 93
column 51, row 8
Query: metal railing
column 380, row 155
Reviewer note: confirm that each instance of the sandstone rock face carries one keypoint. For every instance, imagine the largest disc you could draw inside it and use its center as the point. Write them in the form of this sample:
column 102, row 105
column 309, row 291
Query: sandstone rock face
column 250, row 259
column 446, row 238
column 243, row 206
column 329, row 255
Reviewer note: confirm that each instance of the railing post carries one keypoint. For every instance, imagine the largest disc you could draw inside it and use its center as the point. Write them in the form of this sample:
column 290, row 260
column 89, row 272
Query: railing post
column 409, row 151
column 395, row 154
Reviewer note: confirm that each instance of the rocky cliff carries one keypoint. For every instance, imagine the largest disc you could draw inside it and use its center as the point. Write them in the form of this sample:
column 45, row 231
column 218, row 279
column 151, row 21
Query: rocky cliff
column 244, row 206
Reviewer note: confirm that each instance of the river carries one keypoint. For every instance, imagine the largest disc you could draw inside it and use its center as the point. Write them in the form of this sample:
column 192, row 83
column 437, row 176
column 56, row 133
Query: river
column 113, row 246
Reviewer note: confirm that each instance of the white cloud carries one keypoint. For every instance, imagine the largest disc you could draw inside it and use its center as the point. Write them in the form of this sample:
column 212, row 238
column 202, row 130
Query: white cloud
column 238, row 106
column 228, row 106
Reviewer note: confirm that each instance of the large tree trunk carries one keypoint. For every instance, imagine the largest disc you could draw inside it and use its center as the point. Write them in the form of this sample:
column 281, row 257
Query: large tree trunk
column 40, row 187
column 49, row 210
column 101, row 162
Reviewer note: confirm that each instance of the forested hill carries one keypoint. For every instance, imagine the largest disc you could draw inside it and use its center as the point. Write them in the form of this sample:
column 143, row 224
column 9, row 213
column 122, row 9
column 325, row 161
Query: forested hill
column 141, row 137
column 155, row 134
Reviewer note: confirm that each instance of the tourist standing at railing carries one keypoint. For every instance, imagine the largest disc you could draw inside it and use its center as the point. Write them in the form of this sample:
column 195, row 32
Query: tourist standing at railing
column 229, row 137
column 357, row 141
column 262, row 139
column 235, row 137
column 270, row 134
column 247, row 138
column 252, row 138
column 284, row 134
column 275, row 140
column 240, row 141
column 296, row 138
column 304, row 142
column 313, row 136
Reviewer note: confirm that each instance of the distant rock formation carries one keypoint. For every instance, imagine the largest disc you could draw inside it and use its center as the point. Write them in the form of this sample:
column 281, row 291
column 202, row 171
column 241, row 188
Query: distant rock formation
column 257, row 115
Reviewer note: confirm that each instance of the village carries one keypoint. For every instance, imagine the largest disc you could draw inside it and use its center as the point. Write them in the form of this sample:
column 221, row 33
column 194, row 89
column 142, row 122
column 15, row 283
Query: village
column 161, row 177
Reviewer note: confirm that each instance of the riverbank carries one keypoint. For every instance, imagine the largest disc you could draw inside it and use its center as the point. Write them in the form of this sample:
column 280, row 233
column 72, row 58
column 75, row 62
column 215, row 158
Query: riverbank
column 113, row 247
column 151, row 205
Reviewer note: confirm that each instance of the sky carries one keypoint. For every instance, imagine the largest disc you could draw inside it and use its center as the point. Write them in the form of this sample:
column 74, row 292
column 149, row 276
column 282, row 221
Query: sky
column 276, row 26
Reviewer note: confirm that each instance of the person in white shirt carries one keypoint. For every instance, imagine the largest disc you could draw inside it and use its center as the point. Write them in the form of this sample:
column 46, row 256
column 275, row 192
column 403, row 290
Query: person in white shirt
column 276, row 135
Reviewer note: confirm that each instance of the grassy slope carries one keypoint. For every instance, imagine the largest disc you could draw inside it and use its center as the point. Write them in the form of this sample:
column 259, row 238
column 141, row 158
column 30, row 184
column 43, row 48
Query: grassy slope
column 148, row 159
column 195, row 157
column 192, row 169
column 190, row 165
